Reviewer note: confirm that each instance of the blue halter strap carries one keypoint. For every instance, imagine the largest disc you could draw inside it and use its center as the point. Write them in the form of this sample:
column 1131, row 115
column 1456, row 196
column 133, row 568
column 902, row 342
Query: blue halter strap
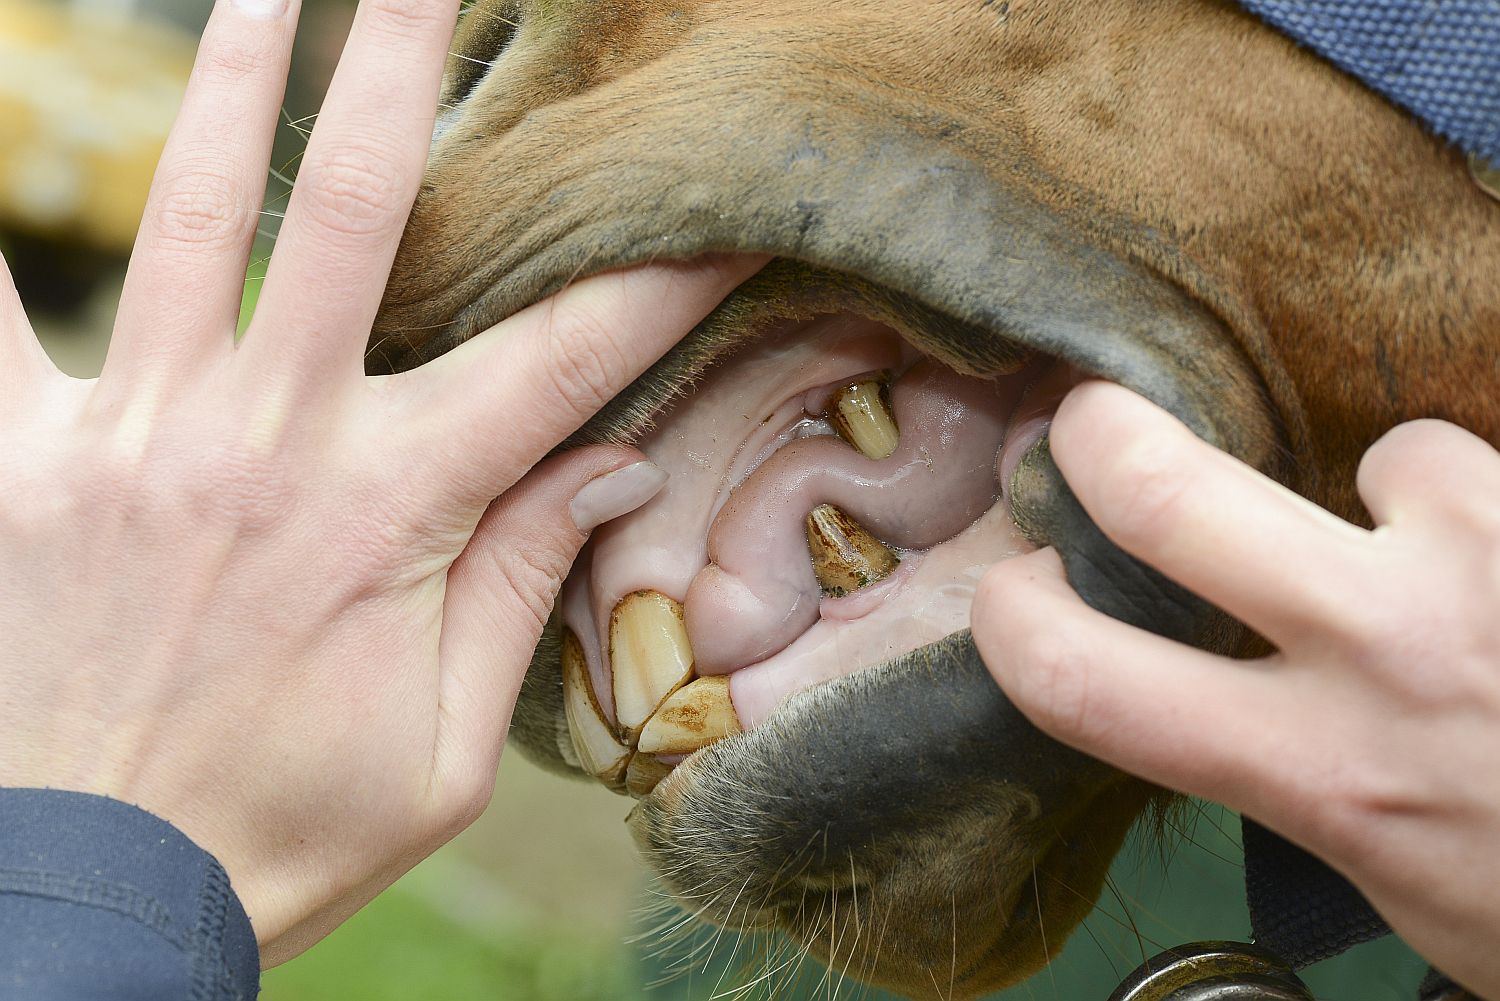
column 1438, row 59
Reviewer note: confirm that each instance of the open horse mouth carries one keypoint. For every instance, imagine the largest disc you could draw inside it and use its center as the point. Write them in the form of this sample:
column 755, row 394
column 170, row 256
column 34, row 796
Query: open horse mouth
column 834, row 497
column 844, row 463
column 852, row 438
column 773, row 656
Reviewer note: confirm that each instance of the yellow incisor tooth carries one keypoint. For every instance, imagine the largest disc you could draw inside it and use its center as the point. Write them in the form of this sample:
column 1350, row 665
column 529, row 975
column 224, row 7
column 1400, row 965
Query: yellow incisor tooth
column 643, row 775
column 860, row 415
column 599, row 753
column 649, row 655
column 845, row 556
column 693, row 717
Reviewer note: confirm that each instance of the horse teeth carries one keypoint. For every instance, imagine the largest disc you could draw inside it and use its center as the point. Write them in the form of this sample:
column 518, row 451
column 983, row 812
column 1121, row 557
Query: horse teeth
column 650, row 657
column 643, row 775
column 861, row 416
column 599, row 753
column 694, row 716
column 845, row 556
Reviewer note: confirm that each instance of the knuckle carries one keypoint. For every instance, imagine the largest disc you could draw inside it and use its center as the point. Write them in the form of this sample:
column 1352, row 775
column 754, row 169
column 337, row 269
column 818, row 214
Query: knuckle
column 1004, row 596
column 1379, row 457
column 353, row 193
column 1361, row 629
column 199, row 209
column 1466, row 516
column 1430, row 467
column 994, row 590
column 1380, row 468
column 1052, row 682
column 164, row 478
column 230, row 63
column 535, row 577
column 241, row 484
column 111, row 478
column 466, row 794
column 1154, row 486
column 1350, row 808
column 403, row 19
column 1413, row 438
column 585, row 363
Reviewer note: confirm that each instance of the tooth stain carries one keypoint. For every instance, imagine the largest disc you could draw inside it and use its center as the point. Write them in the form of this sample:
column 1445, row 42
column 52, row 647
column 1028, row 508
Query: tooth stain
column 693, row 717
column 861, row 414
column 845, row 556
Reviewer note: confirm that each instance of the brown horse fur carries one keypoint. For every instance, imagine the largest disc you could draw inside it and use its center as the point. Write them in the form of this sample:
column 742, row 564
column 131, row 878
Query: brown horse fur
column 1162, row 192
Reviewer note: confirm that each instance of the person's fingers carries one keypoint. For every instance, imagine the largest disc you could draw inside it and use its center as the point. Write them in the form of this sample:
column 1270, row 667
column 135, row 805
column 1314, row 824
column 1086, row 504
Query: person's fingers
column 186, row 276
column 1275, row 560
column 354, row 191
column 1431, row 468
column 502, row 587
column 1169, row 713
column 22, row 359
column 497, row 403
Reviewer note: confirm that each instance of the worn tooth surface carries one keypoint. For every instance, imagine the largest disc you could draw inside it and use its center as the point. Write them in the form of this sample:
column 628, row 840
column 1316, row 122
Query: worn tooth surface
column 599, row 753
column 649, row 654
column 845, row 556
column 643, row 775
column 694, row 716
column 861, row 416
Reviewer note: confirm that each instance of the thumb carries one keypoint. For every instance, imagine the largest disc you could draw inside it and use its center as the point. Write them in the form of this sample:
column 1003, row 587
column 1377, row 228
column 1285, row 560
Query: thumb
column 501, row 589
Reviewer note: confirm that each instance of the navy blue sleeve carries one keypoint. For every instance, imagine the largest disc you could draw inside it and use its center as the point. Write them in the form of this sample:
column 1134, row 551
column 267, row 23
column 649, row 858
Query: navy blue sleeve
column 101, row 901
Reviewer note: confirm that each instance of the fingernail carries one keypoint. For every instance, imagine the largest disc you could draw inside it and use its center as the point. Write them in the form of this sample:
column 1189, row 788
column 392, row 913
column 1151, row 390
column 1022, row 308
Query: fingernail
column 616, row 493
column 264, row 10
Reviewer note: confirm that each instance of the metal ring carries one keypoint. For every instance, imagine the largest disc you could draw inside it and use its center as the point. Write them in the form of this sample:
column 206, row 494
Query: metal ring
column 1213, row 971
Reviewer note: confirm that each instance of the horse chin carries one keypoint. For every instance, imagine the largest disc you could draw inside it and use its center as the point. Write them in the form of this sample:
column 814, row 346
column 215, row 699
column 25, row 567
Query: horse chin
column 956, row 905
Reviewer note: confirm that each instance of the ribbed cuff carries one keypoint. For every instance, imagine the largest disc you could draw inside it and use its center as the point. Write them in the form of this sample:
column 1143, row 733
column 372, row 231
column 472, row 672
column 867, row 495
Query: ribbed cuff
column 99, row 899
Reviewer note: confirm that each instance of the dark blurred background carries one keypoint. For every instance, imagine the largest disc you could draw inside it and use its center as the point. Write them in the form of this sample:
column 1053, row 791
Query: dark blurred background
column 542, row 900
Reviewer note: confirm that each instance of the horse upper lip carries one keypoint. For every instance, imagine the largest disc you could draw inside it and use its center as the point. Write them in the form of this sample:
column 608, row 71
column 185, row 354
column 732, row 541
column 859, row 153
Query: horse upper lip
column 919, row 222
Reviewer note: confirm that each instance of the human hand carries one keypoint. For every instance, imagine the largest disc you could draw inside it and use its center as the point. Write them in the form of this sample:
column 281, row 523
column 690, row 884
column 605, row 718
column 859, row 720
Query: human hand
column 253, row 591
column 1372, row 736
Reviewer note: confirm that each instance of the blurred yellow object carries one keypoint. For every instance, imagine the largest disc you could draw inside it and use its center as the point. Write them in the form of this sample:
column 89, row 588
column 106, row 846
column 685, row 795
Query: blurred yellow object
column 86, row 100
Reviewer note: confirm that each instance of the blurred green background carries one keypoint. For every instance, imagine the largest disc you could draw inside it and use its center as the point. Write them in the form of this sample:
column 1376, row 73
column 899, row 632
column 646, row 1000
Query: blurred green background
column 448, row 931
column 542, row 900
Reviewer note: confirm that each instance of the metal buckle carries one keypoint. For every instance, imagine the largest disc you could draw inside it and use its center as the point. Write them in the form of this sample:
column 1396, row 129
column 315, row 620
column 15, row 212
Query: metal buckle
column 1486, row 175
column 1213, row 971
